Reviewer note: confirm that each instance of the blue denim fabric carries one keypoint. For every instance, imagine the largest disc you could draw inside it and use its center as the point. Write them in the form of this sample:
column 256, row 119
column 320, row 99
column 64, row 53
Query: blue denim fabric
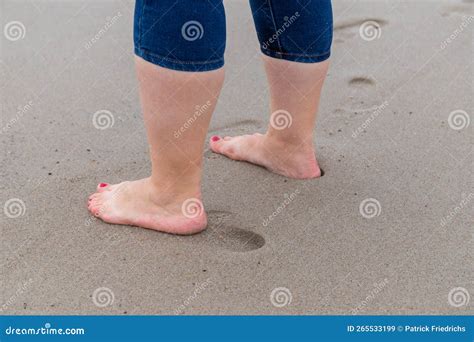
column 190, row 35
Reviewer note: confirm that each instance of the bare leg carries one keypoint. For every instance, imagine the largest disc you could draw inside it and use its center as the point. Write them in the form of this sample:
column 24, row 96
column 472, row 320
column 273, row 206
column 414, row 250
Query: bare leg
column 287, row 147
column 177, row 109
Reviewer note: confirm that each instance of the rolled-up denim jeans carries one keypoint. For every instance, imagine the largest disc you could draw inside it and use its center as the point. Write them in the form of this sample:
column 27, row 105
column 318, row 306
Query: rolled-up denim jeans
column 190, row 35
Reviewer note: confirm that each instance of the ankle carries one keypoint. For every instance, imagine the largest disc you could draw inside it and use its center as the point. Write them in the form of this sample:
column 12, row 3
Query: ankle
column 289, row 143
column 167, row 192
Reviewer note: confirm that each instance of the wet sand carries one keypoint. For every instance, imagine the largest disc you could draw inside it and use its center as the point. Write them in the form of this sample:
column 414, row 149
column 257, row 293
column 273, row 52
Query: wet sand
column 386, row 230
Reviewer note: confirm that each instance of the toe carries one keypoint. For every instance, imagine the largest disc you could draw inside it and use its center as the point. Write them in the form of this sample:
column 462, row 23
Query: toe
column 102, row 187
column 229, row 149
column 90, row 206
column 96, row 208
column 227, row 146
column 95, row 202
column 93, row 196
column 215, row 142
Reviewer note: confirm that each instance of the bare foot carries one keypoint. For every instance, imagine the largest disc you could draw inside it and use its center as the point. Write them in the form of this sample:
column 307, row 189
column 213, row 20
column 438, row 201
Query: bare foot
column 140, row 203
column 294, row 161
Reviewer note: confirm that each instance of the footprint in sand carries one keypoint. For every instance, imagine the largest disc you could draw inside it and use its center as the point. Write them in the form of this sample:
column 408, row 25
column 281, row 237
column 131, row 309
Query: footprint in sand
column 362, row 97
column 464, row 9
column 220, row 233
column 361, row 82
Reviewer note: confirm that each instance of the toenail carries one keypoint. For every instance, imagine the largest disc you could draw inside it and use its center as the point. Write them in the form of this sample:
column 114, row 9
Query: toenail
column 103, row 185
column 215, row 138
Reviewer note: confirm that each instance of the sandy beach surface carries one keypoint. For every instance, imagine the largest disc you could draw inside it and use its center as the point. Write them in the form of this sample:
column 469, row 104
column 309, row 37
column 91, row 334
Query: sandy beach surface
column 386, row 230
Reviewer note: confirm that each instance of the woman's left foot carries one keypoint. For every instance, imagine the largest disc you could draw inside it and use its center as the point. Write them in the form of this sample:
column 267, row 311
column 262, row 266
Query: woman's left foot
column 140, row 203
column 290, row 160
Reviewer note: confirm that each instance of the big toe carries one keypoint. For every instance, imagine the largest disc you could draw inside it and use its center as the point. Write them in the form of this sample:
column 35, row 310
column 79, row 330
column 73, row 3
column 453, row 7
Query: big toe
column 103, row 187
column 96, row 207
column 216, row 142
column 227, row 146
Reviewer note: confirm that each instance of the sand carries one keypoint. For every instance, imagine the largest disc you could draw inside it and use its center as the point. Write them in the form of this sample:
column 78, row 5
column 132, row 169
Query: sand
column 384, row 140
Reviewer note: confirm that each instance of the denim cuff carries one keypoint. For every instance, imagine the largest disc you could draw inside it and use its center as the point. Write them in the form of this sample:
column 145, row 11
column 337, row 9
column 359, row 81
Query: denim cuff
column 293, row 57
column 173, row 64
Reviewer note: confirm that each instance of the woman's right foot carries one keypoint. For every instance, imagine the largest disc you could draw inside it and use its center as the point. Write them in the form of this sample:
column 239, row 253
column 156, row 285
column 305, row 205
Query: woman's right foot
column 140, row 203
column 290, row 160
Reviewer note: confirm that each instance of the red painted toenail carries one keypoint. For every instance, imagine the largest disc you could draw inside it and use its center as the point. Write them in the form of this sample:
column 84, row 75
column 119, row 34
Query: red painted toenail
column 215, row 138
column 103, row 185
